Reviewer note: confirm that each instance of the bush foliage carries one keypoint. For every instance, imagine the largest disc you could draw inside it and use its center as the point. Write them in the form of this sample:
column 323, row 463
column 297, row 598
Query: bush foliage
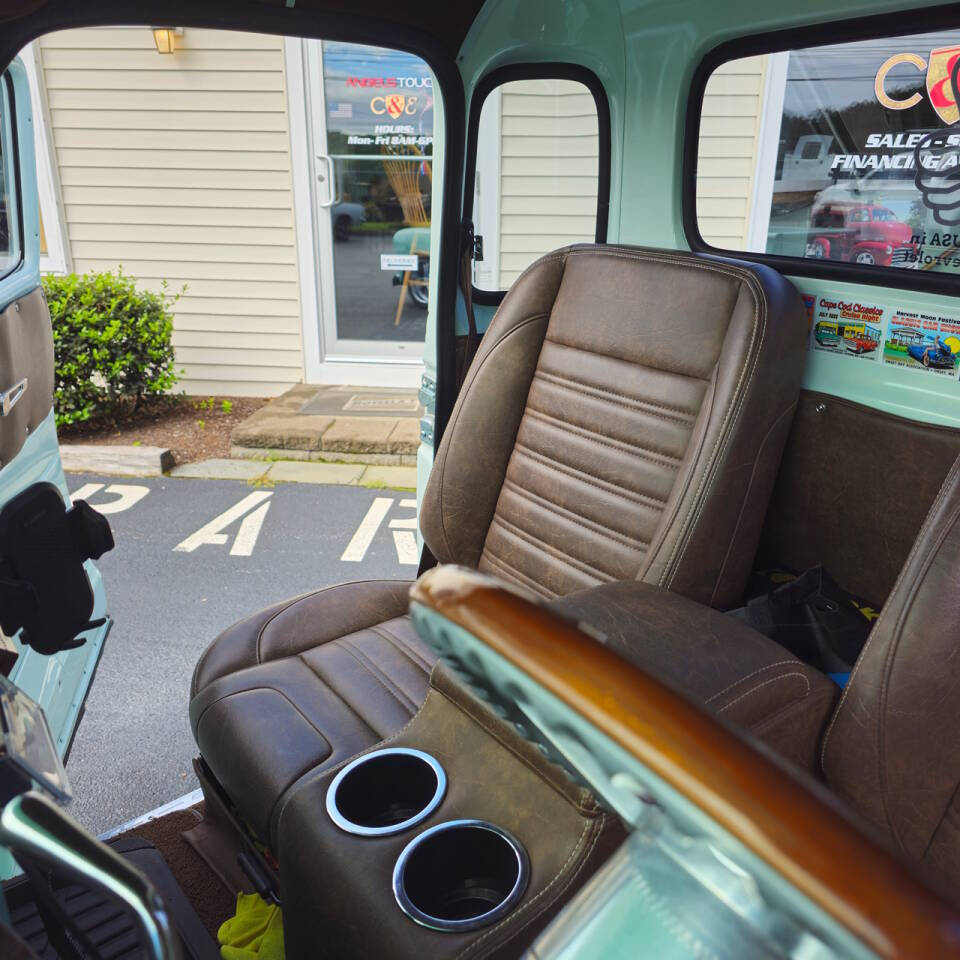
column 112, row 344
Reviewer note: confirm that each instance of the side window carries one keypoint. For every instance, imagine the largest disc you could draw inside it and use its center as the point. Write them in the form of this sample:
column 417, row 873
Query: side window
column 10, row 248
column 847, row 152
column 538, row 175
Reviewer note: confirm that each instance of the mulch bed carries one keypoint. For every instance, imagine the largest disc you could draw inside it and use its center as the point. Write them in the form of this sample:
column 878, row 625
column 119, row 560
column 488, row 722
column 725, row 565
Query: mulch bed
column 193, row 428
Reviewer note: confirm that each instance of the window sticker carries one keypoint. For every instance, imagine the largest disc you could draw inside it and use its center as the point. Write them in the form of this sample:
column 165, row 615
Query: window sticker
column 847, row 327
column 926, row 342
column 923, row 342
column 868, row 154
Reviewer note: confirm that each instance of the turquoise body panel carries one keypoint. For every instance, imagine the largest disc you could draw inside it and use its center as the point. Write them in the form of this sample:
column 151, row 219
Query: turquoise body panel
column 58, row 683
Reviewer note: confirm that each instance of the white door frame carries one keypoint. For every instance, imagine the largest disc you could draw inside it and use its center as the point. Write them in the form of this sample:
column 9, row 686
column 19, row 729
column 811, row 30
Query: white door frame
column 325, row 360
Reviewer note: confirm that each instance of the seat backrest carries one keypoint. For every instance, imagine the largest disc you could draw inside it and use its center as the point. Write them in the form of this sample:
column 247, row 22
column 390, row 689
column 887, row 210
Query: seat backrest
column 624, row 417
column 892, row 749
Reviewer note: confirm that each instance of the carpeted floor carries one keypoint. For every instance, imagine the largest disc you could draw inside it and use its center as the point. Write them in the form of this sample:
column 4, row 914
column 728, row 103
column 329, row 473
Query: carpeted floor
column 213, row 902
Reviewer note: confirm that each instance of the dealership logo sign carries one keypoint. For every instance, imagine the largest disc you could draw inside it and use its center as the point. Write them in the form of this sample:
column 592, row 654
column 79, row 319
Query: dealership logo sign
column 939, row 68
column 395, row 104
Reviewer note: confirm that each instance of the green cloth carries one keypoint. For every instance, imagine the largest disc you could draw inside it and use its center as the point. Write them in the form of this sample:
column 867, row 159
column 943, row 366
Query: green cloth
column 255, row 932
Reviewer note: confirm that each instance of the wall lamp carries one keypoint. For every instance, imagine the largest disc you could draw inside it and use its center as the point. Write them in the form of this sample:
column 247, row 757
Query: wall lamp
column 166, row 38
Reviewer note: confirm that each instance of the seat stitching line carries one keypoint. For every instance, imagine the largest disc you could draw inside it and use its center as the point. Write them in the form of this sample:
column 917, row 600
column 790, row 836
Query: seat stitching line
column 516, row 574
column 621, row 446
column 595, row 526
column 377, row 674
column 658, row 371
column 338, row 694
column 534, row 541
column 578, row 473
column 573, row 853
column 766, row 683
column 628, row 402
column 461, row 402
column 769, row 666
column 402, row 648
column 947, row 488
column 280, row 693
column 767, row 724
column 731, row 416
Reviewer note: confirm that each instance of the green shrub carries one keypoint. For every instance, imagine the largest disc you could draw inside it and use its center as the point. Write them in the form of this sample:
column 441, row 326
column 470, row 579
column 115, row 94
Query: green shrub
column 111, row 344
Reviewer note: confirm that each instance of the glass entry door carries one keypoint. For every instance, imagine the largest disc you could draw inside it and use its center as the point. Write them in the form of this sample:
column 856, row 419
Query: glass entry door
column 372, row 119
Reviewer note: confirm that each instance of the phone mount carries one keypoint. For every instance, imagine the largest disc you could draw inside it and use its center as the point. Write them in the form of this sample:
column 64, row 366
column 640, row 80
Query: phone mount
column 44, row 589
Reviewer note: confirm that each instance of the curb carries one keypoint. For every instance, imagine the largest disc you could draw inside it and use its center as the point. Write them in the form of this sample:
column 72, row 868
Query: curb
column 122, row 461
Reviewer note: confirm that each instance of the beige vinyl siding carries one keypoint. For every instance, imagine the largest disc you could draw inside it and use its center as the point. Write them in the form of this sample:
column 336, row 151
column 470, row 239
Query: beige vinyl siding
column 729, row 129
column 548, row 170
column 178, row 167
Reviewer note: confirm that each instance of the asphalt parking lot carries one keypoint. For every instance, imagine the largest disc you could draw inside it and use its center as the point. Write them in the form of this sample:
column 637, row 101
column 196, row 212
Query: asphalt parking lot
column 192, row 557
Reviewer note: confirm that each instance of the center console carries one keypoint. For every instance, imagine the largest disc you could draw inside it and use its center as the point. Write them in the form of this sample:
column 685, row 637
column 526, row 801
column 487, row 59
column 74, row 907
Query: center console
column 455, row 837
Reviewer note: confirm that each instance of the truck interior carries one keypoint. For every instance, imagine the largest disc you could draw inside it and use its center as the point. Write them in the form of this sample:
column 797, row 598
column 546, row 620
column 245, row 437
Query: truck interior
column 678, row 673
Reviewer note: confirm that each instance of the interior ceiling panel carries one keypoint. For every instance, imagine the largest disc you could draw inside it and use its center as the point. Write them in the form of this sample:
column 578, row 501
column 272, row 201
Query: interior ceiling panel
column 446, row 23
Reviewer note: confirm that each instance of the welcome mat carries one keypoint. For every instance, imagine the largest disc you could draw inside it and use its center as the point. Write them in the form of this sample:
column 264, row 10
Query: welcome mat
column 360, row 402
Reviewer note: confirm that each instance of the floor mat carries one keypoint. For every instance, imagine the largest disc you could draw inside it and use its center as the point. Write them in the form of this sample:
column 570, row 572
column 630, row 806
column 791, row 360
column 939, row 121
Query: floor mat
column 212, row 901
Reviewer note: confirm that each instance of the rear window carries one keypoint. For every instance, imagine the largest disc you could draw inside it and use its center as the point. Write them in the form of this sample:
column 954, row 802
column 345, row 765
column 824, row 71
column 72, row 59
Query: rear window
column 847, row 152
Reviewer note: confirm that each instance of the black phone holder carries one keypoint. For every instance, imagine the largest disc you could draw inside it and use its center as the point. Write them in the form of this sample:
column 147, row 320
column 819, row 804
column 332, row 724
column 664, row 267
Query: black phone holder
column 44, row 589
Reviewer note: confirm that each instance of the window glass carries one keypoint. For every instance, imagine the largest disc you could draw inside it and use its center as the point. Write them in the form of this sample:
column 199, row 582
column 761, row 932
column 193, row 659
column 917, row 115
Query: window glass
column 379, row 138
column 847, row 152
column 9, row 220
column 538, row 150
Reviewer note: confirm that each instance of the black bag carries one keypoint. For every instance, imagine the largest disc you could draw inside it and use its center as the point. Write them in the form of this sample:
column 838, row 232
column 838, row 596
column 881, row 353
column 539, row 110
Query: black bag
column 810, row 616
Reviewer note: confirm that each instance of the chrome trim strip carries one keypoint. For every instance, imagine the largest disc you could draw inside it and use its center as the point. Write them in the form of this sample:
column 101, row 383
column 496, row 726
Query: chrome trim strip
column 348, row 826
column 472, row 923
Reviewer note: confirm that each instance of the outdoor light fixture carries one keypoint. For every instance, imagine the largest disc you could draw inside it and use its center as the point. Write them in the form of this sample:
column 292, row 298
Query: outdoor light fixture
column 166, row 38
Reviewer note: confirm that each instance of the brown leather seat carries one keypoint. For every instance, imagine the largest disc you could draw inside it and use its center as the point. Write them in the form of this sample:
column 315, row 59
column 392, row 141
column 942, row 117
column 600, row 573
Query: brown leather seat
column 892, row 750
column 623, row 419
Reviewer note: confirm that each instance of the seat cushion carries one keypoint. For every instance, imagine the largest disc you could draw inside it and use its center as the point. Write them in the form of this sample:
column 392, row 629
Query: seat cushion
column 303, row 685
column 735, row 672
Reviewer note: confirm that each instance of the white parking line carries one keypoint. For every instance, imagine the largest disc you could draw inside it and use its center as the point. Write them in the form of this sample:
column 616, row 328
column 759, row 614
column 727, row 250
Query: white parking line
column 248, row 532
column 363, row 537
column 128, row 495
column 210, row 532
column 406, row 544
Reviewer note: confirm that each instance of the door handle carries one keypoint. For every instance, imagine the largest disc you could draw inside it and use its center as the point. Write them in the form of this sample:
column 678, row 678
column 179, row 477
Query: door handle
column 332, row 178
column 9, row 398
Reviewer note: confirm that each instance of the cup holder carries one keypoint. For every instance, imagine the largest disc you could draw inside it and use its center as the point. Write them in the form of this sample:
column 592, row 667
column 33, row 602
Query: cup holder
column 386, row 792
column 460, row 875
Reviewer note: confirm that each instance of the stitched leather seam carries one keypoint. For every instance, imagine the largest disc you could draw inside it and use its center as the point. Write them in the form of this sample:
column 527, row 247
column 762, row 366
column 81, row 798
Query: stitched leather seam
column 791, row 409
column 740, row 392
column 769, row 723
column 296, row 600
column 461, row 403
column 681, row 374
column 621, row 446
column 578, row 474
column 534, row 541
column 581, row 840
column 629, row 403
column 947, row 488
column 659, row 371
column 402, row 649
column 594, row 526
column 513, row 573
column 946, row 529
column 280, row 693
column 339, row 695
column 379, row 676
column 766, row 683
column 477, row 717
column 276, row 813
column 749, row 676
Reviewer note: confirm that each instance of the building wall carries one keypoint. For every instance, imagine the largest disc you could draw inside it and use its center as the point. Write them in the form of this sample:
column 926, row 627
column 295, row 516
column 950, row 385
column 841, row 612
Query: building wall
column 548, row 171
column 729, row 133
column 177, row 167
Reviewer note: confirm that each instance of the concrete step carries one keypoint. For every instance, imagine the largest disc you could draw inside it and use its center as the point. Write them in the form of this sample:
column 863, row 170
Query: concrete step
column 121, row 461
